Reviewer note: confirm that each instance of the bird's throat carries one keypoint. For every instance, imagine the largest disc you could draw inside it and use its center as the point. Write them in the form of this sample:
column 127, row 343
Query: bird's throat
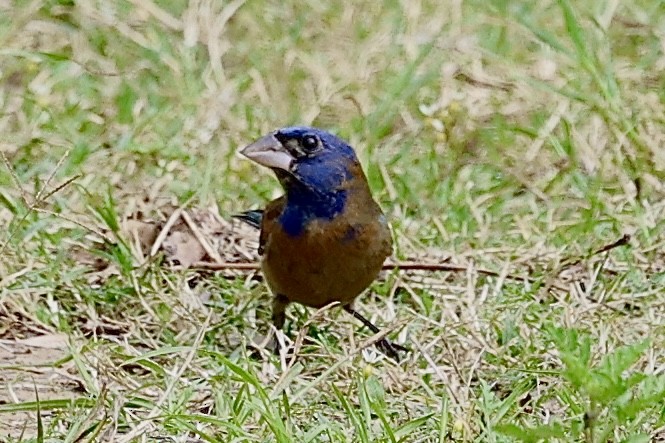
column 304, row 205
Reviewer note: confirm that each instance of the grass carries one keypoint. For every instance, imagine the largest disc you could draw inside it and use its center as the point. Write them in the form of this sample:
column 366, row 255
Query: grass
column 515, row 137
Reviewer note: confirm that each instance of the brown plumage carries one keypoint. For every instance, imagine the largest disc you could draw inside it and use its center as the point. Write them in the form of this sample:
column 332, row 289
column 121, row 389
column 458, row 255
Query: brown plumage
column 331, row 261
column 326, row 239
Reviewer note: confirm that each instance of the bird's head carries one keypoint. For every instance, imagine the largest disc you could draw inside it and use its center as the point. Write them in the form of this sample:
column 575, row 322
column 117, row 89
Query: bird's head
column 306, row 159
column 318, row 171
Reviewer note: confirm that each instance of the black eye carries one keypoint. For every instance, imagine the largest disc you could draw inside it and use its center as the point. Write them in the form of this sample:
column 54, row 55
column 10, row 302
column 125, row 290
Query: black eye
column 309, row 143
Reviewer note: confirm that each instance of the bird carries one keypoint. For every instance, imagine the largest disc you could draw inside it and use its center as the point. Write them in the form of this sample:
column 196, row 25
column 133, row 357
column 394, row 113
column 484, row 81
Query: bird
column 325, row 239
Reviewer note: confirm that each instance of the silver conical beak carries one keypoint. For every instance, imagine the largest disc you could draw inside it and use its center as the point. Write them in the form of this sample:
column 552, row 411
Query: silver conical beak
column 268, row 151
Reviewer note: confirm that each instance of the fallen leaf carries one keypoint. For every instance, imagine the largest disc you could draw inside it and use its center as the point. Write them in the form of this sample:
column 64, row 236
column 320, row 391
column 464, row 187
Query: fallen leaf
column 183, row 248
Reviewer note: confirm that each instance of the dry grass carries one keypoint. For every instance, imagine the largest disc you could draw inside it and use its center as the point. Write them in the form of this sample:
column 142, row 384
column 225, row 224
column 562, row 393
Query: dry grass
column 508, row 140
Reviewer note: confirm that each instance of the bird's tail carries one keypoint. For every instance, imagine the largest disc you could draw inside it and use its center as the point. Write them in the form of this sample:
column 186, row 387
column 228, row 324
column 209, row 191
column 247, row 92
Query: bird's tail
column 252, row 217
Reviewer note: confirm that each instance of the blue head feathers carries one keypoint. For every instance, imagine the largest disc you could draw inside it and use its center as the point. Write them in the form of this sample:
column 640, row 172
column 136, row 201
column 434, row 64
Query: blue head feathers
column 312, row 166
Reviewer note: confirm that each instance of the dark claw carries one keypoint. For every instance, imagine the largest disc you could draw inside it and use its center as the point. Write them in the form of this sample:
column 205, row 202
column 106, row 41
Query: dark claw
column 386, row 346
column 391, row 349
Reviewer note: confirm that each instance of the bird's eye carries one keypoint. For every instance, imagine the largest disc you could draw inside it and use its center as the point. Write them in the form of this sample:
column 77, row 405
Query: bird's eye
column 309, row 143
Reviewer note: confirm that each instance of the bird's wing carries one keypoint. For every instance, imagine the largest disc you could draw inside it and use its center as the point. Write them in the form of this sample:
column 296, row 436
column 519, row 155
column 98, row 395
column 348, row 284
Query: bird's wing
column 269, row 220
column 253, row 217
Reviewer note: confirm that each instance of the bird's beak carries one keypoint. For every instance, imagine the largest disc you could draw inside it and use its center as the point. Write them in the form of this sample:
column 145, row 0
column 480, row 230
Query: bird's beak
column 268, row 151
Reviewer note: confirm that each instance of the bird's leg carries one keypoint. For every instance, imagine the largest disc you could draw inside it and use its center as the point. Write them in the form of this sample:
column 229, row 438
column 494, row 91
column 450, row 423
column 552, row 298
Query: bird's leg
column 368, row 324
column 389, row 348
column 279, row 304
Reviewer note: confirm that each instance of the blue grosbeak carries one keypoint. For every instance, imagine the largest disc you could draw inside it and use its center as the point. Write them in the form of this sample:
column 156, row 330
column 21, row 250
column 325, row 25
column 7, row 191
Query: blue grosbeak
column 324, row 240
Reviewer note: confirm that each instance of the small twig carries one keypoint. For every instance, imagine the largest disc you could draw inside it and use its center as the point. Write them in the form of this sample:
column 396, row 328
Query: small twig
column 573, row 261
column 212, row 252
column 167, row 227
column 621, row 242
column 567, row 263
column 165, row 231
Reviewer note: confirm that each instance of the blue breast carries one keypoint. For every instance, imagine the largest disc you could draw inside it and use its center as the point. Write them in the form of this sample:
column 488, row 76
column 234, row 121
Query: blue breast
column 315, row 187
column 302, row 208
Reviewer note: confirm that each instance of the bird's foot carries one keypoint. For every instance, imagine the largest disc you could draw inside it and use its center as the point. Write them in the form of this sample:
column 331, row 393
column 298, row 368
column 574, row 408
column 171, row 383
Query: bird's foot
column 391, row 349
